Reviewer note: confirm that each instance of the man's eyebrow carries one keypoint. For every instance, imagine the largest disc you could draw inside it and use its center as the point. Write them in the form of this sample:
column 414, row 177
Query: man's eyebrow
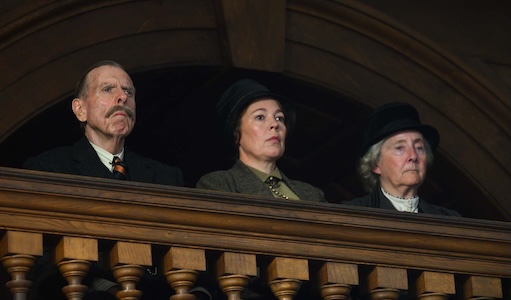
column 128, row 87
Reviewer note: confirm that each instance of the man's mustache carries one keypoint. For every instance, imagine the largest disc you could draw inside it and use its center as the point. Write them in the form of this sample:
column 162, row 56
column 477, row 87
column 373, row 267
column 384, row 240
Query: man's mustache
column 128, row 111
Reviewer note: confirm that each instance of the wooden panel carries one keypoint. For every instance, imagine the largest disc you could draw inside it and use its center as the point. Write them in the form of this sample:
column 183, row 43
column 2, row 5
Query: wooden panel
column 478, row 286
column 338, row 273
column 16, row 242
column 185, row 258
column 76, row 248
column 125, row 253
column 384, row 277
column 288, row 268
column 255, row 33
column 433, row 282
column 231, row 263
column 49, row 25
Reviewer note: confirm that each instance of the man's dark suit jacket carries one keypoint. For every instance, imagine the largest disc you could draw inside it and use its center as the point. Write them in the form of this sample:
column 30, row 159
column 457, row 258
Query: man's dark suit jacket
column 378, row 200
column 240, row 179
column 82, row 159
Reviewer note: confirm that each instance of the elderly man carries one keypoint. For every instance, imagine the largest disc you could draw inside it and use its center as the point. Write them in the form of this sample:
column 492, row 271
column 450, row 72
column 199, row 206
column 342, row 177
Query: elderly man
column 105, row 106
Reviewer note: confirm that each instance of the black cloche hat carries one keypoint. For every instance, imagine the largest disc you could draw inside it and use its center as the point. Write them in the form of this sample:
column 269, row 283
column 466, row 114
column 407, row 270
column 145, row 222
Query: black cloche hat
column 238, row 96
column 394, row 117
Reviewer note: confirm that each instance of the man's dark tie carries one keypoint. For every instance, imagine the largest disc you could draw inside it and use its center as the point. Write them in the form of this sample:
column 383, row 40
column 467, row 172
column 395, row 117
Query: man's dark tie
column 119, row 168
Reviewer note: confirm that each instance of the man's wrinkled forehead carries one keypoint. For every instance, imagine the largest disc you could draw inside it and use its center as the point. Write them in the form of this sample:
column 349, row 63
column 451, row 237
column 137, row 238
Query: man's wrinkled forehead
column 109, row 74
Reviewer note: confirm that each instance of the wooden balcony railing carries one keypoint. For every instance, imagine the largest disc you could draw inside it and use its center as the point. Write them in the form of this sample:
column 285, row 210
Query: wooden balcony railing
column 295, row 248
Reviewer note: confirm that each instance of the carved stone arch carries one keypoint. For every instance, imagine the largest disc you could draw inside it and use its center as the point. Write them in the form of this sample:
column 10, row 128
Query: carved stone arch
column 339, row 59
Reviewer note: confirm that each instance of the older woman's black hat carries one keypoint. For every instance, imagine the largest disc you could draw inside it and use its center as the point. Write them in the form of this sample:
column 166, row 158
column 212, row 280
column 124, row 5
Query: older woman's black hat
column 238, row 96
column 392, row 118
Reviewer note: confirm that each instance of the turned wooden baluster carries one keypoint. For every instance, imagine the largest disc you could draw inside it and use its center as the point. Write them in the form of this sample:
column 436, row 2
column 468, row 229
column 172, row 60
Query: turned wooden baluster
column 385, row 283
column 73, row 256
column 234, row 271
column 479, row 287
column 128, row 262
column 182, row 281
column 17, row 252
column 128, row 276
column 18, row 266
column 434, row 286
column 285, row 276
column 182, row 266
column 336, row 279
column 74, row 271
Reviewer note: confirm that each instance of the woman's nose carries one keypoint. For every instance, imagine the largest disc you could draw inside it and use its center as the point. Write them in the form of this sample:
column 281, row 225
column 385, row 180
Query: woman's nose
column 274, row 124
column 413, row 154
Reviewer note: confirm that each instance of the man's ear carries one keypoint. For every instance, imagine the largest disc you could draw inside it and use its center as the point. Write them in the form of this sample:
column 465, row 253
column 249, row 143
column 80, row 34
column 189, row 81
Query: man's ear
column 79, row 109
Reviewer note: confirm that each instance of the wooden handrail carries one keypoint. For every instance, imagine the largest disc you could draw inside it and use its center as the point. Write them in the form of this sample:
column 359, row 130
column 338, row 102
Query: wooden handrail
column 108, row 210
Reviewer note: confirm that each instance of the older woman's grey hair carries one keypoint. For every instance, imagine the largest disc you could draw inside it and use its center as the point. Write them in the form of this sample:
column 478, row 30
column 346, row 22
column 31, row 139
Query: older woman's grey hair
column 368, row 162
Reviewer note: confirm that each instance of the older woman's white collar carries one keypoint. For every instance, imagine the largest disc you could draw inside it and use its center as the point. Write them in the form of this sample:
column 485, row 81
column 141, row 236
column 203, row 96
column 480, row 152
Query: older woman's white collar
column 402, row 204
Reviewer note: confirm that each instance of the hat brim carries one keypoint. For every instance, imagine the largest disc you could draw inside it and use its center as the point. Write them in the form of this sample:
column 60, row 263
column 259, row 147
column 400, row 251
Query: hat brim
column 245, row 101
column 428, row 132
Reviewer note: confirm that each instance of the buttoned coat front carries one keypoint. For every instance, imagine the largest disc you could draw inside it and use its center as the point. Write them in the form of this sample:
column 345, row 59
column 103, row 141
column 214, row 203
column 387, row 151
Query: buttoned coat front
column 240, row 179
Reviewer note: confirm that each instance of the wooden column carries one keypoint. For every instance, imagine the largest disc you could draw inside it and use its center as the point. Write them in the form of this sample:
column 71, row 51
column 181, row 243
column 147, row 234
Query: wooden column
column 336, row 280
column 73, row 256
column 479, row 287
column 234, row 271
column 434, row 286
column 128, row 261
column 386, row 283
column 18, row 251
column 285, row 276
column 252, row 41
column 182, row 266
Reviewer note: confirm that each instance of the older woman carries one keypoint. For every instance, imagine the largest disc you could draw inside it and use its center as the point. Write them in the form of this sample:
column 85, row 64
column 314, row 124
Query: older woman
column 255, row 121
column 396, row 153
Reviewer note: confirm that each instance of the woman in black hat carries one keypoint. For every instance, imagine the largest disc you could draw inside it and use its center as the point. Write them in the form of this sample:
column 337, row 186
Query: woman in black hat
column 255, row 121
column 396, row 153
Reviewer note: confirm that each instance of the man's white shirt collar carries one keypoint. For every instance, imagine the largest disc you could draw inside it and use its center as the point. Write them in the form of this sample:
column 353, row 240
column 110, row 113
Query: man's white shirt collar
column 107, row 157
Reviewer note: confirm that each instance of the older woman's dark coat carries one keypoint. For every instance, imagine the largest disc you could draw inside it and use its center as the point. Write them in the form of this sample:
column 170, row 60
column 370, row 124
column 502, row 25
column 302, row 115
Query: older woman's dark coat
column 378, row 200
